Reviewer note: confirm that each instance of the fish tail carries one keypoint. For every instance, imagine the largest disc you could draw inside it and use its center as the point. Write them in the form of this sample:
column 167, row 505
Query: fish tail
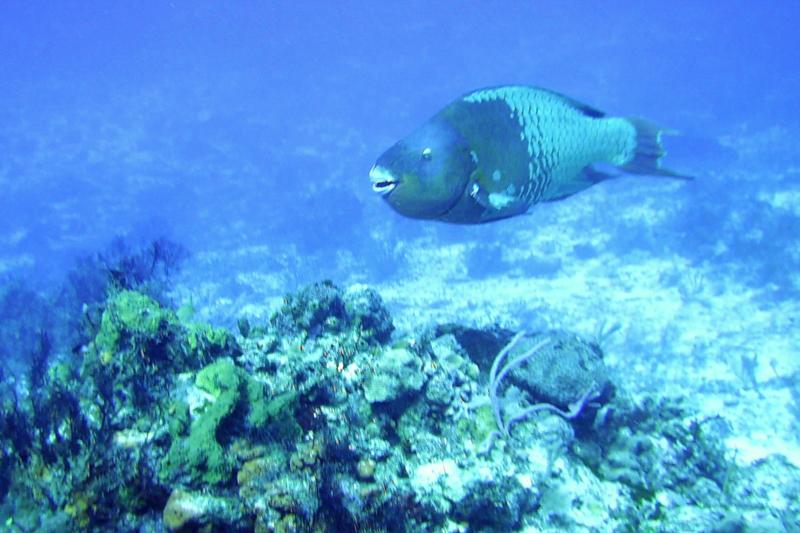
column 649, row 151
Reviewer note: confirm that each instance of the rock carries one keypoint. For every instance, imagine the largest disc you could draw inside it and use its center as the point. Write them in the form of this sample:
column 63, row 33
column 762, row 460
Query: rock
column 365, row 469
column 397, row 372
column 186, row 508
column 367, row 311
column 562, row 371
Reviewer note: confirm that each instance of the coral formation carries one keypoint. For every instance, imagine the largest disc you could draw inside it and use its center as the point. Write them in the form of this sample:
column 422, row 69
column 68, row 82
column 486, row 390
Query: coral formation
column 317, row 420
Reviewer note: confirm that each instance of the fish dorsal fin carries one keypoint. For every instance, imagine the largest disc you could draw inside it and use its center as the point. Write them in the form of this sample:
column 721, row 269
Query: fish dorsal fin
column 503, row 90
column 585, row 109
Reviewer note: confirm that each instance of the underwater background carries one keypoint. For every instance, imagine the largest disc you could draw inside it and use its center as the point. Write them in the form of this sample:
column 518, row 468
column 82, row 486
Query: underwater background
column 209, row 320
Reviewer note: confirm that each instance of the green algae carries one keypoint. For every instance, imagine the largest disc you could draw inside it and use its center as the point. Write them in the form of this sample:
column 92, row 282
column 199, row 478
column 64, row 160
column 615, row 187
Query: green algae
column 235, row 403
column 134, row 329
column 200, row 455
column 479, row 426
column 209, row 342
column 133, row 316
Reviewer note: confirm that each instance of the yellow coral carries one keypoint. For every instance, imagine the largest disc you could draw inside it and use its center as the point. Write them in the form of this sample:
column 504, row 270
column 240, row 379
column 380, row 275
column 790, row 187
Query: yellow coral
column 106, row 357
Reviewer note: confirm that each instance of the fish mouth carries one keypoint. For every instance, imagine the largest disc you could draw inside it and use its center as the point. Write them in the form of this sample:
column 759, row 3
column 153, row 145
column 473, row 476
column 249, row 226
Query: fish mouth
column 383, row 182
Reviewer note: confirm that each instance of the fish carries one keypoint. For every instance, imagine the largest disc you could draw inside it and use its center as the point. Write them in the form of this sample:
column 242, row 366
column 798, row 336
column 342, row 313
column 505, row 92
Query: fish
column 495, row 152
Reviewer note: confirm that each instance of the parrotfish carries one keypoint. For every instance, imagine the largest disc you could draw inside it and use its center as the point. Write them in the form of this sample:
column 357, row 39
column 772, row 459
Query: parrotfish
column 494, row 153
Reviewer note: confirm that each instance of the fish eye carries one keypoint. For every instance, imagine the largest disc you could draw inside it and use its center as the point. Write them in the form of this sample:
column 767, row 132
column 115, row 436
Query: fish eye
column 427, row 154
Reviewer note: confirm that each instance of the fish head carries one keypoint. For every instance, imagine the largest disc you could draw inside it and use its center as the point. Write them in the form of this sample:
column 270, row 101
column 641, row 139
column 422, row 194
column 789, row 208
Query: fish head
column 425, row 174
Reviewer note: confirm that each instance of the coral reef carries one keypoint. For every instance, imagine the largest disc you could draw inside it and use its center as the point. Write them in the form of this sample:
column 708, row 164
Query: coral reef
column 318, row 420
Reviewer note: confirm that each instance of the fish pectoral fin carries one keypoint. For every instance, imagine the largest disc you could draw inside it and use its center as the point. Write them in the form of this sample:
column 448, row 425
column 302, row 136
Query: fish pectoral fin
column 493, row 203
column 583, row 180
column 593, row 174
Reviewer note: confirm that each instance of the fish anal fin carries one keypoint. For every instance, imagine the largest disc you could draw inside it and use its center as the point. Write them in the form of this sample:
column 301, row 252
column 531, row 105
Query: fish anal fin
column 583, row 180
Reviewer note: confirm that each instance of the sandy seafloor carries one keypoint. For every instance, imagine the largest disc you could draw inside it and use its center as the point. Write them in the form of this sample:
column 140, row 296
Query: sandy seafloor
column 687, row 328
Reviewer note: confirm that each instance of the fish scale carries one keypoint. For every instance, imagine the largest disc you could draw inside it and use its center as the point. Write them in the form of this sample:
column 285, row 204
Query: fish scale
column 552, row 127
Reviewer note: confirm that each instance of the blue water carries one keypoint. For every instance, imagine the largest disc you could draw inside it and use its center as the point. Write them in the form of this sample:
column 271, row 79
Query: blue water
column 250, row 123
column 245, row 132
